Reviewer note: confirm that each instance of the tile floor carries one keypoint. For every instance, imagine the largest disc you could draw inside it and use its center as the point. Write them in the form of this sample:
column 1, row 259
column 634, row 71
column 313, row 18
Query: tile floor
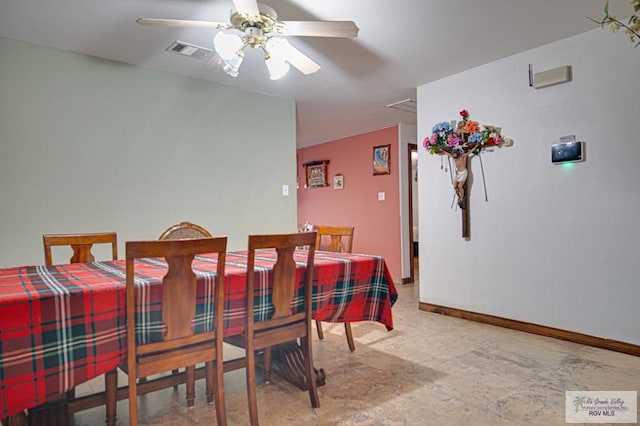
column 430, row 370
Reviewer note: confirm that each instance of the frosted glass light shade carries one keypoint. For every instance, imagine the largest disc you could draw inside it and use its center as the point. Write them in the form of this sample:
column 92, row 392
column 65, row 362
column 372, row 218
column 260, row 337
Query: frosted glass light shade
column 277, row 46
column 232, row 65
column 277, row 67
column 227, row 45
column 276, row 57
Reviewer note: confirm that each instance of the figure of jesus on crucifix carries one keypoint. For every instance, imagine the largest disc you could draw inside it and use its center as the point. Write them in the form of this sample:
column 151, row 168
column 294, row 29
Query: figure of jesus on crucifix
column 460, row 157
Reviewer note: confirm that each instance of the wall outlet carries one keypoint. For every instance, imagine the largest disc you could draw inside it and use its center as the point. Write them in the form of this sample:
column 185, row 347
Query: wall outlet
column 285, row 190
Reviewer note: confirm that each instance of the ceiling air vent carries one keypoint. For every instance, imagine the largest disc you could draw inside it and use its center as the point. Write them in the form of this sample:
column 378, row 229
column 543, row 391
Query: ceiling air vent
column 191, row 50
column 408, row 105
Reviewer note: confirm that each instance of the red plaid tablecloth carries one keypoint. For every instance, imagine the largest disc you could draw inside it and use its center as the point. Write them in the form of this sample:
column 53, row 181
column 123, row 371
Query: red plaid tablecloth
column 63, row 325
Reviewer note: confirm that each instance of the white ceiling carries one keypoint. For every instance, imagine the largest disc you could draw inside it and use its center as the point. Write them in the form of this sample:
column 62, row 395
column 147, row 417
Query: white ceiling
column 401, row 44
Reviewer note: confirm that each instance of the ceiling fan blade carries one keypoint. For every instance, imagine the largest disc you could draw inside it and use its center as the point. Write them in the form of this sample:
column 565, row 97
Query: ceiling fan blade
column 247, row 7
column 182, row 23
column 317, row 28
column 299, row 60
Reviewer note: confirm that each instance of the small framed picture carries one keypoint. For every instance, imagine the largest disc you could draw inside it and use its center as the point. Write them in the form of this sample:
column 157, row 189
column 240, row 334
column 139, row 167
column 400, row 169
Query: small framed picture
column 316, row 174
column 381, row 160
column 338, row 182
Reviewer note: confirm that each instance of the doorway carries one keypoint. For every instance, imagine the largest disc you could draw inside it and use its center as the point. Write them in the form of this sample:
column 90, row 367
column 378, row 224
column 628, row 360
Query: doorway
column 412, row 185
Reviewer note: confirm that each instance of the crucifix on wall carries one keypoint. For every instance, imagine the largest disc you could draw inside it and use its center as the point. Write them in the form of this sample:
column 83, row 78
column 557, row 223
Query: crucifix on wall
column 460, row 142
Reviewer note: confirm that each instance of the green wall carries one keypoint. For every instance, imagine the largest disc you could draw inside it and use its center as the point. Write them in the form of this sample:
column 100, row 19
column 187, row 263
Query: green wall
column 89, row 145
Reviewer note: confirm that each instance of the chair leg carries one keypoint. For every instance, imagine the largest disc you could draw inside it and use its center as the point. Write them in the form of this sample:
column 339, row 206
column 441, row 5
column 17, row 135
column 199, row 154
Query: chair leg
column 305, row 344
column 349, row 334
column 251, row 385
column 176, row 371
column 215, row 386
column 133, row 397
column 266, row 363
column 111, row 391
column 319, row 328
column 191, row 385
column 209, row 380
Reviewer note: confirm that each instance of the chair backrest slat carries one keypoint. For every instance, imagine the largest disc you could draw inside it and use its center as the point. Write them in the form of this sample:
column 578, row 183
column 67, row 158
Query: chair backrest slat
column 284, row 279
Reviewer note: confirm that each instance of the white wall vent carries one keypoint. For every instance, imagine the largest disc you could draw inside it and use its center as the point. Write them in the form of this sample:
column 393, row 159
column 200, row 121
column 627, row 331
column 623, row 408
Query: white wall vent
column 547, row 78
column 407, row 105
column 190, row 50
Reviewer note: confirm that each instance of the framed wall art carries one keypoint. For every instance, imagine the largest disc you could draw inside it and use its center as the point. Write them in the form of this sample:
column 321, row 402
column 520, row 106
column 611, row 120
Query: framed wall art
column 338, row 181
column 316, row 174
column 381, row 160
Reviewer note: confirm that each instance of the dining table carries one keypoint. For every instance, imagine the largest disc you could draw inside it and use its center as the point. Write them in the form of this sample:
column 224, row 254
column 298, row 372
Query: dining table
column 65, row 324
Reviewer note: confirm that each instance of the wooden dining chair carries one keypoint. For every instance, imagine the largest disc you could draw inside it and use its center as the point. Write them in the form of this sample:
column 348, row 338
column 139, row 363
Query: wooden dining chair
column 180, row 345
column 283, row 324
column 184, row 230
column 180, row 231
column 81, row 245
column 336, row 239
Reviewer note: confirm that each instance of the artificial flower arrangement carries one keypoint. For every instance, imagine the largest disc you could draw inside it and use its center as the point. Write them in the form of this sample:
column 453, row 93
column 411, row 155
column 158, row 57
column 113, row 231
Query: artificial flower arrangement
column 465, row 136
column 631, row 28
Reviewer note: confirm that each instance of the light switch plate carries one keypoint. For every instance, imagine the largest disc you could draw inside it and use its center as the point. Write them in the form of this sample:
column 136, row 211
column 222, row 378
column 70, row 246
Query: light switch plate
column 381, row 196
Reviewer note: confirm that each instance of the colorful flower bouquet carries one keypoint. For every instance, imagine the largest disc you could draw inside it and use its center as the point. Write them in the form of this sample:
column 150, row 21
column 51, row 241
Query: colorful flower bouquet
column 465, row 136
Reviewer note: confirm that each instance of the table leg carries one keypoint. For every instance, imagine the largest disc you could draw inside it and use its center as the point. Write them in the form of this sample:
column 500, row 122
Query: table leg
column 287, row 361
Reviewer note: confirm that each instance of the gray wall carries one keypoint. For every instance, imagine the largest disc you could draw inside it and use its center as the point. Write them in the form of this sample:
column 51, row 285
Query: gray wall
column 88, row 145
column 555, row 245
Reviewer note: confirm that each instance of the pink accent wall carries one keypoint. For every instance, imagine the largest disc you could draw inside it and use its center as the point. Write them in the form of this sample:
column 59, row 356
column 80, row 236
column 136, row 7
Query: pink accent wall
column 377, row 223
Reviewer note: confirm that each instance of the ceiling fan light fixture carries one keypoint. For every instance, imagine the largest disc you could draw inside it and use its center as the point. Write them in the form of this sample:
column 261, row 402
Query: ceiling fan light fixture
column 231, row 66
column 277, row 67
column 275, row 49
column 228, row 45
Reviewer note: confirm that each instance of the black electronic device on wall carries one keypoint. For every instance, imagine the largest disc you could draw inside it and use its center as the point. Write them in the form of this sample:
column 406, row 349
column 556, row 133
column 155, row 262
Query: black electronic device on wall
column 567, row 152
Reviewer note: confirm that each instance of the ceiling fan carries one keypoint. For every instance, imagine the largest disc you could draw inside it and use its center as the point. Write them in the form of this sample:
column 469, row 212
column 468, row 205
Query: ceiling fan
column 256, row 25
